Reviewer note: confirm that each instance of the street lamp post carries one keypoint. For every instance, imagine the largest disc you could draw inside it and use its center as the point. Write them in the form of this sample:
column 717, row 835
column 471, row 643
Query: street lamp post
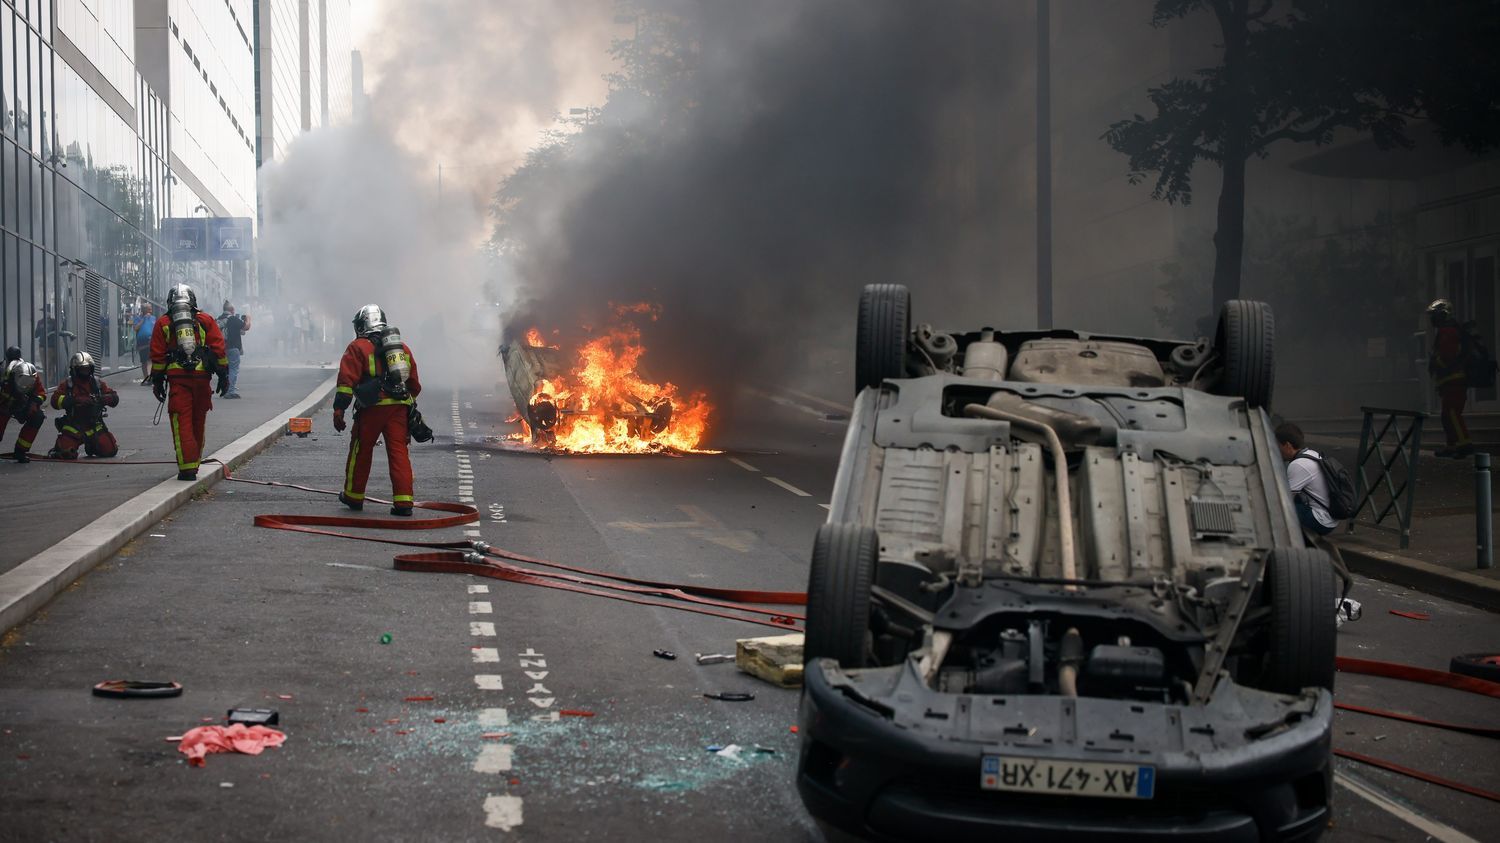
column 1043, row 166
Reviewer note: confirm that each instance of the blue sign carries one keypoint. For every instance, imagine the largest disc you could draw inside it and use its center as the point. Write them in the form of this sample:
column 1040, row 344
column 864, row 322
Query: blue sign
column 230, row 238
column 184, row 238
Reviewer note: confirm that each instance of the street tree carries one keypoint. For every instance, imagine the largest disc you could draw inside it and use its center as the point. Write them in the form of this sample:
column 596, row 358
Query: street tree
column 1301, row 71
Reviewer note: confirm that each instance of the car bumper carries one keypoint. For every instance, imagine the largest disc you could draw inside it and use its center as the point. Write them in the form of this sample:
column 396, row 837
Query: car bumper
column 894, row 760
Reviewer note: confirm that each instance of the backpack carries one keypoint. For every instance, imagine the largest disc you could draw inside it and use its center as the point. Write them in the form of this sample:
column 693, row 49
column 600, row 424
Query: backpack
column 1479, row 361
column 1341, row 501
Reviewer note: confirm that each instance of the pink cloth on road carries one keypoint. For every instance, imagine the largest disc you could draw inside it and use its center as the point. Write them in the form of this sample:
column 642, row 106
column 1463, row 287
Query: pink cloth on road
column 205, row 740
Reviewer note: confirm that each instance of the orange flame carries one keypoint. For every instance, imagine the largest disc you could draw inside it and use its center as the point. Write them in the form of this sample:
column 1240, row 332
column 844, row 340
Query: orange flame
column 604, row 406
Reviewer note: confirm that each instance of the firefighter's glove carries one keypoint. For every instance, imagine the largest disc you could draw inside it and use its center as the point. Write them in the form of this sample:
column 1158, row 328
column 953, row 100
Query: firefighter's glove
column 67, row 403
column 338, row 421
column 222, row 387
column 159, row 388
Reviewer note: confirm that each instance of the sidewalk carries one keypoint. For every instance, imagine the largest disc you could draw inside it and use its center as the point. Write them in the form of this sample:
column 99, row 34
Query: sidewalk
column 47, row 502
column 1441, row 559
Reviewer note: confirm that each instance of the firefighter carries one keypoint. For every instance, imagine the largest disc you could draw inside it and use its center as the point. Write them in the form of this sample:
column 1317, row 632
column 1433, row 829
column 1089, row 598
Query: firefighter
column 378, row 375
column 21, row 397
column 186, row 348
column 1448, row 365
column 82, row 397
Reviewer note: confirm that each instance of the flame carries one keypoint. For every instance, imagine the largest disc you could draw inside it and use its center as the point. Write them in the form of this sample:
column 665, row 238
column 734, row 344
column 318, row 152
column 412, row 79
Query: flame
column 534, row 339
column 604, row 406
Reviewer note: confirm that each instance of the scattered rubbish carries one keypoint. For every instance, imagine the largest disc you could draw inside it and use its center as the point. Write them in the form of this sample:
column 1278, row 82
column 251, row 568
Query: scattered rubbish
column 254, row 716
column 283, row 696
column 574, row 712
column 777, row 659
column 403, row 731
column 385, row 638
column 1380, row 737
column 766, row 750
column 158, row 535
column 362, row 710
column 713, row 747
column 226, row 784
column 664, row 654
column 299, row 426
column 123, row 688
column 417, row 699
column 393, row 720
column 495, row 736
column 783, row 620
column 515, row 781
column 1347, row 610
column 205, row 719
column 1416, row 616
column 440, row 720
column 793, row 730
column 731, row 697
column 713, row 658
column 731, row 752
column 248, row 740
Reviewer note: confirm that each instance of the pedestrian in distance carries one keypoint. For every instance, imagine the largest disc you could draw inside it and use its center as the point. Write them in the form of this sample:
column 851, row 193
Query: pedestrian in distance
column 234, row 327
column 22, row 397
column 186, row 348
column 82, row 397
column 1448, row 364
column 143, row 325
column 378, row 375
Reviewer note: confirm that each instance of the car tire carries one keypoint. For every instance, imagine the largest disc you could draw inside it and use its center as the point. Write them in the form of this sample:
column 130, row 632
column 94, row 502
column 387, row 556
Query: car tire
column 838, row 594
column 880, row 343
column 1478, row 665
column 1303, row 628
column 1246, row 343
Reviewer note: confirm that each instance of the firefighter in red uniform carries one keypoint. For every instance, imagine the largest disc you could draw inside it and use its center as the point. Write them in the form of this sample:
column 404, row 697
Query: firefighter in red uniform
column 82, row 397
column 1447, row 365
column 21, row 396
column 378, row 375
column 187, row 347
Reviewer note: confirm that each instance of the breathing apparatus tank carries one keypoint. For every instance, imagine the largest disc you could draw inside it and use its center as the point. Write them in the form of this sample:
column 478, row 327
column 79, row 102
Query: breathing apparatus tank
column 397, row 362
column 182, row 310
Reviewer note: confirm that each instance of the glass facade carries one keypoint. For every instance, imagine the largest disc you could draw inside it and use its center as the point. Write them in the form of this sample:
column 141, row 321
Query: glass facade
column 85, row 180
column 311, row 62
column 279, row 79
column 338, row 100
column 211, row 67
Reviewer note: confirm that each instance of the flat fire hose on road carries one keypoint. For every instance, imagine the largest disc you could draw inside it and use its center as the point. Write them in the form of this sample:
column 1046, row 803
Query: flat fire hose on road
column 467, row 556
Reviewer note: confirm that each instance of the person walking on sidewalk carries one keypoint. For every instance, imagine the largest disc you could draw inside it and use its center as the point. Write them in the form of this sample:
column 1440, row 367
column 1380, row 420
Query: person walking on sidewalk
column 1448, row 365
column 378, row 375
column 21, row 397
column 82, row 397
column 144, row 325
column 234, row 326
column 186, row 348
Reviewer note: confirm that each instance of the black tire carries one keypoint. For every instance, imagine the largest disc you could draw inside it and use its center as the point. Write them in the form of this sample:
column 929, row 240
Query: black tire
column 838, row 594
column 133, row 688
column 1302, row 592
column 884, row 325
column 1478, row 665
column 1246, row 343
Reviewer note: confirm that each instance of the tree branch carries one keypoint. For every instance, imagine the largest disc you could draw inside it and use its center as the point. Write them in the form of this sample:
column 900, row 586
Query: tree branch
column 1264, row 10
column 1289, row 132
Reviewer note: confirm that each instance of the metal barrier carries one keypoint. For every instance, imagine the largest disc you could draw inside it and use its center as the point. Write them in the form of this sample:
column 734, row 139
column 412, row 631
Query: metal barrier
column 1484, row 518
column 1405, row 448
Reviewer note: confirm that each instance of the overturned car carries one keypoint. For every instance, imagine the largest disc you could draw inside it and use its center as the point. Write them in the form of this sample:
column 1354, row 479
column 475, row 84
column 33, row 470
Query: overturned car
column 1062, row 593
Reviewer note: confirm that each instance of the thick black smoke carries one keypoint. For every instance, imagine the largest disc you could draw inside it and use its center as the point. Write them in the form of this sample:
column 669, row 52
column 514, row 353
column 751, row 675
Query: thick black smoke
column 809, row 148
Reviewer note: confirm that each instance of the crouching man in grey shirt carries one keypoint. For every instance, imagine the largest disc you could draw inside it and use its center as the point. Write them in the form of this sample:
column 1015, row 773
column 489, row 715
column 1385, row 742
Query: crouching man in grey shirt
column 1304, row 475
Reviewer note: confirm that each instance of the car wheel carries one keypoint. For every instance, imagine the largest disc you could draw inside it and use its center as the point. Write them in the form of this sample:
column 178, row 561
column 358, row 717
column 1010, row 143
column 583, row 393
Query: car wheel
column 1303, row 631
column 1246, row 343
column 1478, row 665
column 884, row 325
column 838, row 594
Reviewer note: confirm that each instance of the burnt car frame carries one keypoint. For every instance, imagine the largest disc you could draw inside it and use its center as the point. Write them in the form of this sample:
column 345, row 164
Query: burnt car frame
column 528, row 365
column 1156, row 661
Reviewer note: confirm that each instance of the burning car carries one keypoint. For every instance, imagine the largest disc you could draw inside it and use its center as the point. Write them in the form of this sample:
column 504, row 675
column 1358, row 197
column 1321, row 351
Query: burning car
column 1062, row 593
column 594, row 400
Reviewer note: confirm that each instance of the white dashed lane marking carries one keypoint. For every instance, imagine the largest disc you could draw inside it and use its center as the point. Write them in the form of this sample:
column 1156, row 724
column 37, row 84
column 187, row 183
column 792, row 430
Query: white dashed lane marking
column 494, row 758
column 483, row 655
column 789, row 487
column 479, row 589
column 489, row 682
column 742, row 464
column 494, row 717
column 502, row 812
column 480, row 607
column 482, row 629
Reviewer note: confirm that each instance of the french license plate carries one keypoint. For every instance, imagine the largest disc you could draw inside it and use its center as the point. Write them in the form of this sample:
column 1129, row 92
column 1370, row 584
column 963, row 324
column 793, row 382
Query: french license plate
column 1079, row 778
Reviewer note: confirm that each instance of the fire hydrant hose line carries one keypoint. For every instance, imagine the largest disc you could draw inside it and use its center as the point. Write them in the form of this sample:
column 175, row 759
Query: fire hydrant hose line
column 474, row 557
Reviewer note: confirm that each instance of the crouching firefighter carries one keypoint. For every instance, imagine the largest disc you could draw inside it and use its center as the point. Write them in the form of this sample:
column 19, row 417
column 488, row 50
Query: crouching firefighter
column 83, row 397
column 21, row 397
column 378, row 375
column 186, row 348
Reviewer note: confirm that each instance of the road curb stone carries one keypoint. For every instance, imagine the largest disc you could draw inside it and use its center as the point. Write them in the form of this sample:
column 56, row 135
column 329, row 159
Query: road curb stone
column 29, row 586
column 1459, row 586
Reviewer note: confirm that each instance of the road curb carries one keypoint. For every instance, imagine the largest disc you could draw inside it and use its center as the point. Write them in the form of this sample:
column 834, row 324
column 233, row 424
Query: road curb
column 29, row 586
column 1459, row 586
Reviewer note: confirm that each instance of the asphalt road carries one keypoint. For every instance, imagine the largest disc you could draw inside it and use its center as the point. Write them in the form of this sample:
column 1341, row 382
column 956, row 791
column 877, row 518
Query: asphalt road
column 251, row 617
